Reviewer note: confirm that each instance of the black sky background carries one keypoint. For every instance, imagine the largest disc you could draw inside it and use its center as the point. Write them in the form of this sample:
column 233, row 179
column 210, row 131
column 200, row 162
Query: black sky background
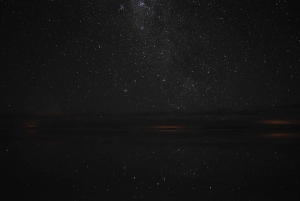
column 136, row 56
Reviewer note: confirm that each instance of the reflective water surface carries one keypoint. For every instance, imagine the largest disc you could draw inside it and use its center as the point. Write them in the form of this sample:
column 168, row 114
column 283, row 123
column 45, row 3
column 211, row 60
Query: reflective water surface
column 150, row 164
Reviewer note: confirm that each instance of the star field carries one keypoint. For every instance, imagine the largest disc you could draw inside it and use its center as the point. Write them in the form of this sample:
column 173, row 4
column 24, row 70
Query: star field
column 134, row 56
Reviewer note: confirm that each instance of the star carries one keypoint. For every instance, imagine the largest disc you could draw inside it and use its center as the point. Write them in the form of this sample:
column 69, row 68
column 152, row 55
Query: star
column 122, row 7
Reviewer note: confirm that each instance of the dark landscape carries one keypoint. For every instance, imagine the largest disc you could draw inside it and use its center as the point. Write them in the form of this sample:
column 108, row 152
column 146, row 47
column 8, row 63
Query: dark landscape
column 150, row 159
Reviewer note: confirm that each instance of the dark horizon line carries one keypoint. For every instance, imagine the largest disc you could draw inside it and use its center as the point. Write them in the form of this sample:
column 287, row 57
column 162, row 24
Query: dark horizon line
column 293, row 109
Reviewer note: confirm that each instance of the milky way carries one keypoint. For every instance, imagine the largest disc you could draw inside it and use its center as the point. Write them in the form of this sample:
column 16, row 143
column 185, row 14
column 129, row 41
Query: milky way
column 157, row 56
column 149, row 55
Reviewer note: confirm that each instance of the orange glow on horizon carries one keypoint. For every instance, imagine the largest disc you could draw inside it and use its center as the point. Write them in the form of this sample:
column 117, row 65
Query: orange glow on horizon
column 168, row 128
column 279, row 122
column 280, row 135
column 31, row 124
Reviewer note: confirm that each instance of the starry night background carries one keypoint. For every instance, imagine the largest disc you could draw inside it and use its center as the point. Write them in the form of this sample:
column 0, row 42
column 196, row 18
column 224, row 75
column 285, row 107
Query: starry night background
column 135, row 56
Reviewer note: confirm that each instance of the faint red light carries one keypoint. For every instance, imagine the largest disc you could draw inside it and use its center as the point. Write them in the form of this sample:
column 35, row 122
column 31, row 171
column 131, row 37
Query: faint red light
column 279, row 122
column 280, row 135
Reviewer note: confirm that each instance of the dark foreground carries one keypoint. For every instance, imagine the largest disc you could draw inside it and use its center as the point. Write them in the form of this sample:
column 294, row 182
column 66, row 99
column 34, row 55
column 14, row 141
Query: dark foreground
column 124, row 164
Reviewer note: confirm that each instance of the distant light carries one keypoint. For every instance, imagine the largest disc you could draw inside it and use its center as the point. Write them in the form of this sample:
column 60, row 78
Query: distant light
column 280, row 135
column 279, row 122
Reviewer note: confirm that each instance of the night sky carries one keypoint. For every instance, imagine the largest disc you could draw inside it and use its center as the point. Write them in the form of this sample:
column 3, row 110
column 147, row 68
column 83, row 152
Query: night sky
column 136, row 56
